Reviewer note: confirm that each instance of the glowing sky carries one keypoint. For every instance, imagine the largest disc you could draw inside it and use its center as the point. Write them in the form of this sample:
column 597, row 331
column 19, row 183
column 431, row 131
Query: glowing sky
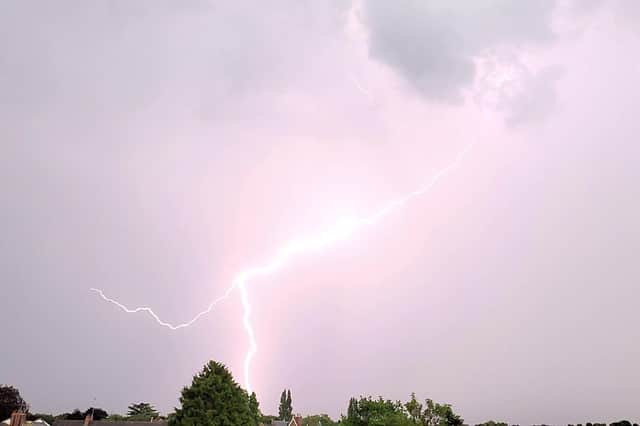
column 153, row 150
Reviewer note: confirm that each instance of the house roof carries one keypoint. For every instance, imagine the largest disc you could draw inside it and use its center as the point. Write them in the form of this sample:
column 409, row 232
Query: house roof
column 293, row 422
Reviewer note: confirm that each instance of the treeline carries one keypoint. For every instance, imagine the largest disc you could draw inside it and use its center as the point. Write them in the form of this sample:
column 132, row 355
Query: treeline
column 214, row 398
column 11, row 400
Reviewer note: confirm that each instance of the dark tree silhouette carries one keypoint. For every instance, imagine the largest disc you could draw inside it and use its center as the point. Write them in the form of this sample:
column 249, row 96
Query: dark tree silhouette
column 75, row 415
column 98, row 413
column 213, row 399
column 10, row 401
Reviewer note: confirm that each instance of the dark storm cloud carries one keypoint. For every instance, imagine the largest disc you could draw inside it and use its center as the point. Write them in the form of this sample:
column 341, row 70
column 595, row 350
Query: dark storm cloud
column 433, row 44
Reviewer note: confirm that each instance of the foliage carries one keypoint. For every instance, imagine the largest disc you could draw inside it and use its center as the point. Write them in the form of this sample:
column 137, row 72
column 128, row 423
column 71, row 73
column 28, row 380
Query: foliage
column 267, row 419
column 440, row 415
column 213, row 399
column 375, row 412
column 621, row 423
column 142, row 411
column 116, row 418
column 492, row 423
column 74, row 415
column 10, row 401
column 254, row 408
column 98, row 413
column 49, row 418
column 414, row 408
column 285, row 410
column 318, row 420
column 380, row 412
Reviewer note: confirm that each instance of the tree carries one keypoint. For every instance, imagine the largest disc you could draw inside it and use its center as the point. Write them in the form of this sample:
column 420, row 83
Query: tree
column 376, row 412
column 352, row 411
column 116, row 418
column 318, row 420
column 10, row 401
column 267, row 419
column 493, row 423
column 285, row 410
column 440, row 415
column 380, row 412
column 142, row 411
column 289, row 406
column 282, row 407
column 74, row 415
column 213, row 399
column 414, row 408
column 98, row 413
column 49, row 418
column 254, row 407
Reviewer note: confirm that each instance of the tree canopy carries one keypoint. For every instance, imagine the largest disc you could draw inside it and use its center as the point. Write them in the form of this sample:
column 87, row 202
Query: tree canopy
column 380, row 412
column 74, row 415
column 285, row 410
column 213, row 399
column 142, row 411
column 98, row 413
column 10, row 401
column 318, row 420
column 493, row 423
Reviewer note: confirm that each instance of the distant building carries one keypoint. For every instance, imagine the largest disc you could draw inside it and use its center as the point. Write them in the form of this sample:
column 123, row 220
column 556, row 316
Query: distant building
column 296, row 421
column 20, row 419
column 37, row 422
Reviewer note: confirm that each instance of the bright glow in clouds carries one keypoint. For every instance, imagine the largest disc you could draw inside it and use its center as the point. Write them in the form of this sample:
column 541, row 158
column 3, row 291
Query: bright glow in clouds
column 343, row 229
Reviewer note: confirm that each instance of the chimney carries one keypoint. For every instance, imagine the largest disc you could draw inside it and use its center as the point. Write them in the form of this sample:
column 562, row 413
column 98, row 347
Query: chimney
column 18, row 418
column 88, row 419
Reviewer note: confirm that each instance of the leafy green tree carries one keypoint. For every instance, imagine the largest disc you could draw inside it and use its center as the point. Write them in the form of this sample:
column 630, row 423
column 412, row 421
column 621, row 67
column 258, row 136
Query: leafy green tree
column 142, row 411
column 254, row 407
column 289, row 406
column 318, row 420
column 267, row 419
column 283, row 402
column 49, row 418
column 493, row 423
column 285, row 410
column 10, row 401
column 352, row 411
column 75, row 415
column 381, row 412
column 116, row 418
column 376, row 412
column 440, row 415
column 98, row 413
column 621, row 423
column 213, row 399
column 414, row 408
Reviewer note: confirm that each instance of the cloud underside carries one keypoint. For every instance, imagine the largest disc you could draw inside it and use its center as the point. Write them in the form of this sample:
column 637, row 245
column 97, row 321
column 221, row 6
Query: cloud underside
column 433, row 44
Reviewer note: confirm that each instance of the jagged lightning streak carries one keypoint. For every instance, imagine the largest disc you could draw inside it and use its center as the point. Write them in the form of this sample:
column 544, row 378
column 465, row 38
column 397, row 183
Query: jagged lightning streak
column 343, row 229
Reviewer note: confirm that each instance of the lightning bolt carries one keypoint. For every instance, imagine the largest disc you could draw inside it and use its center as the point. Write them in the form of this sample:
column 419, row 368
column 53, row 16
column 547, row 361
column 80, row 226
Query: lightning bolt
column 342, row 230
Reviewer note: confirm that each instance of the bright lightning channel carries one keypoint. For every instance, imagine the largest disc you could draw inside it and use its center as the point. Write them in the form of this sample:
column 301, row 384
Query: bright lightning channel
column 342, row 230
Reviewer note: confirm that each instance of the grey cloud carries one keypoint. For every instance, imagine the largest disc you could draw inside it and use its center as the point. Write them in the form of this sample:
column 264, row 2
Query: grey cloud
column 539, row 98
column 433, row 44
column 99, row 57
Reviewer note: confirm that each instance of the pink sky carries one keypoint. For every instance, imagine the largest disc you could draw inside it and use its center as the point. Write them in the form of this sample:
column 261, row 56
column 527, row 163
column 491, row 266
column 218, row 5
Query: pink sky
column 154, row 151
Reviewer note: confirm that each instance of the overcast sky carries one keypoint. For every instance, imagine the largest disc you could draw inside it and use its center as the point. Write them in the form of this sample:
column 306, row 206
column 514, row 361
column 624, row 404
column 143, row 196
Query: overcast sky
column 154, row 149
